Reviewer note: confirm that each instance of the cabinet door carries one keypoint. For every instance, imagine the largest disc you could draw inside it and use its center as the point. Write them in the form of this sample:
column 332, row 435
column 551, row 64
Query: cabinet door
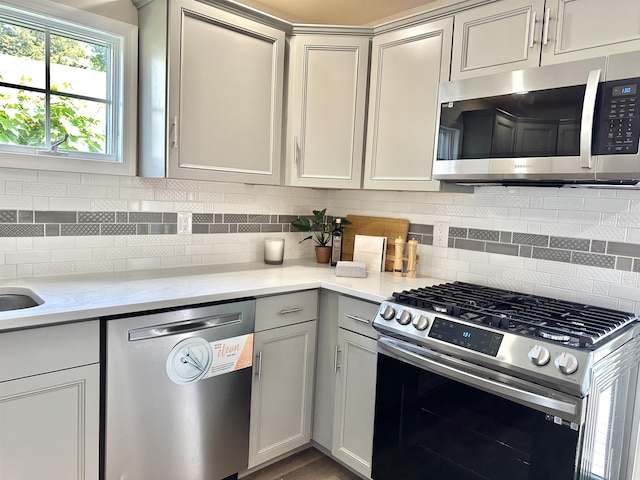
column 498, row 37
column 406, row 68
column 325, row 136
column 281, row 395
column 356, row 358
column 579, row 29
column 49, row 426
column 225, row 96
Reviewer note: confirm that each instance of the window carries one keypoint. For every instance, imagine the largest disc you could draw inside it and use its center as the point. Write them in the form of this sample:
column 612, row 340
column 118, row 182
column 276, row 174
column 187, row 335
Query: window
column 67, row 89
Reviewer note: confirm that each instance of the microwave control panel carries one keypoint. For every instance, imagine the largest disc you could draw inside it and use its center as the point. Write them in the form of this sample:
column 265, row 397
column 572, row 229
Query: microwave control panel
column 617, row 119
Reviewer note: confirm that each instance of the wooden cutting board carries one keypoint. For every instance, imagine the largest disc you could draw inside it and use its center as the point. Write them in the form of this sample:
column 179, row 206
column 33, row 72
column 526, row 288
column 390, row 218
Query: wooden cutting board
column 391, row 228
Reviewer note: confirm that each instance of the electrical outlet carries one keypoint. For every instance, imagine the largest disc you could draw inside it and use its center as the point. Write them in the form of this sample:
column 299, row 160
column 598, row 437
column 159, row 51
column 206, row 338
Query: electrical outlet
column 441, row 234
column 184, row 223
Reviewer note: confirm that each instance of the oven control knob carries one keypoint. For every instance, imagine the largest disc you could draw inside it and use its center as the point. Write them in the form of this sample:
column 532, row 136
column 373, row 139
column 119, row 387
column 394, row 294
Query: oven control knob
column 388, row 313
column 404, row 318
column 539, row 355
column 567, row 363
column 421, row 322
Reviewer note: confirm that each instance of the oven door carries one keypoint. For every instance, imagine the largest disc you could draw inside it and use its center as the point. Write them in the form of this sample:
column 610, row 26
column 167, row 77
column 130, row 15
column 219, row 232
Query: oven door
column 435, row 420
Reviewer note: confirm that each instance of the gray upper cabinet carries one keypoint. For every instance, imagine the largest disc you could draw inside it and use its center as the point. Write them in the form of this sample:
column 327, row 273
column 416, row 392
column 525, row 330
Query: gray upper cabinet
column 497, row 37
column 407, row 66
column 211, row 94
column 327, row 101
column 515, row 34
column 578, row 29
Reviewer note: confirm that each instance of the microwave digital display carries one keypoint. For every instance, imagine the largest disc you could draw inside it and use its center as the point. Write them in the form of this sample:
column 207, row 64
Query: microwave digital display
column 624, row 90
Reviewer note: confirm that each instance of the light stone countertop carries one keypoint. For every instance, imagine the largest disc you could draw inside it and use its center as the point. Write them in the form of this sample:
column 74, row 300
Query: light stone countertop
column 79, row 297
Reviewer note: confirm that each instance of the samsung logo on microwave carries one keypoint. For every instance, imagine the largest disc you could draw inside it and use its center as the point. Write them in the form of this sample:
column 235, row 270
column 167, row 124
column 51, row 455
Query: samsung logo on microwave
column 523, row 165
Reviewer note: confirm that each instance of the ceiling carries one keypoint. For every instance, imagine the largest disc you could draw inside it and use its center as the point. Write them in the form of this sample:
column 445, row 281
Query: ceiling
column 340, row 12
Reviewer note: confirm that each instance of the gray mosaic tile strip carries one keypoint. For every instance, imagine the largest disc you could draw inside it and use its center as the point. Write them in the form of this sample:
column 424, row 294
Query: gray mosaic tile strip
column 199, row 228
column 52, row 230
column 427, row 240
column 74, row 229
column 569, row 243
column 506, row 237
column 286, row 218
column 248, row 228
column 598, row 246
column 487, row 235
column 274, row 218
column 469, row 245
column 259, row 218
column 145, row 217
column 625, row 249
column 25, row 216
column 55, row 217
column 233, row 228
column 531, row 239
column 421, row 228
column 526, row 251
column 271, row 227
column 414, row 236
column 551, row 254
column 163, row 228
column 502, row 248
column 217, row 218
column 202, row 218
column 8, row 216
column 96, row 217
column 457, row 232
column 122, row 217
column 170, row 217
column 219, row 228
column 23, row 230
column 451, row 243
column 624, row 263
column 142, row 229
column 636, row 265
column 235, row 218
column 118, row 229
column 593, row 259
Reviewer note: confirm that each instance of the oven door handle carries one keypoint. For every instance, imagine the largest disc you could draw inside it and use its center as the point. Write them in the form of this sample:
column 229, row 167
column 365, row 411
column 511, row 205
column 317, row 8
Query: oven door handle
column 548, row 405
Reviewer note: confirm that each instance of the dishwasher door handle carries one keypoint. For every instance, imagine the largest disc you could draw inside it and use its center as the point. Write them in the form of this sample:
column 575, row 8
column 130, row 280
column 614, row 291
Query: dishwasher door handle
column 184, row 326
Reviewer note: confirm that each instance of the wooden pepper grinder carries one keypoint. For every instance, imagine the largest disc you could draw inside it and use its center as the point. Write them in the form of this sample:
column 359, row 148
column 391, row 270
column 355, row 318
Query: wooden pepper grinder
column 397, row 258
column 412, row 259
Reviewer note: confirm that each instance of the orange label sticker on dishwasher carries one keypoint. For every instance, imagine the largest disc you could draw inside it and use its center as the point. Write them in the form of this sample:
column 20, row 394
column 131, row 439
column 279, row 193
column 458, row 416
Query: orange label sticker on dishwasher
column 231, row 354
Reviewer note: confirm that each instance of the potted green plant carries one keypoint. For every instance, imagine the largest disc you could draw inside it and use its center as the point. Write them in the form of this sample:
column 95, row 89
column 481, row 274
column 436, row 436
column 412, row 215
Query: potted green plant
column 320, row 229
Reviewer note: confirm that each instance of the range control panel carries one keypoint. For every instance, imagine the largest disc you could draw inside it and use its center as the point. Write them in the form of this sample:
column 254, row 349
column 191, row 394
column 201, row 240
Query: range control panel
column 617, row 120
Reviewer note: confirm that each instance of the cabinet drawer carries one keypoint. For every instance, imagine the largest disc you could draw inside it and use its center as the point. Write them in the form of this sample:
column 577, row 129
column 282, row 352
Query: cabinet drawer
column 47, row 349
column 357, row 315
column 287, row 309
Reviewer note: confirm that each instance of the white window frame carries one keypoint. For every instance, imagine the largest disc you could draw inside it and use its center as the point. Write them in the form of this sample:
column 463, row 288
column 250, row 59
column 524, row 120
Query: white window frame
column 123, row 40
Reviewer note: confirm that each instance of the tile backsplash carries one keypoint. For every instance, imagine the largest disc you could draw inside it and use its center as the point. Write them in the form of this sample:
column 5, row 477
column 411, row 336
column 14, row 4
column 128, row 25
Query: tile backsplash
column 576, row 244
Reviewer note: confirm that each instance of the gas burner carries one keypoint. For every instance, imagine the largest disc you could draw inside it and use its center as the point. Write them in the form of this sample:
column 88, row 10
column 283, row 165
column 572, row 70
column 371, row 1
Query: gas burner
column 561, row 321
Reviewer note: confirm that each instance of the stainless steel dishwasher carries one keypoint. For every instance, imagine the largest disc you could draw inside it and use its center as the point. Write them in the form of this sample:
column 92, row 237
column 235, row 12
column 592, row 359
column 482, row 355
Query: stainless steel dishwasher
column 178, row 392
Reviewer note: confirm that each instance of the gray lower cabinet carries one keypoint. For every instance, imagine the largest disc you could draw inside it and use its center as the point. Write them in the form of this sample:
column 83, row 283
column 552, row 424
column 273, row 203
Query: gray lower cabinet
column 284, row 367
column 49, row 403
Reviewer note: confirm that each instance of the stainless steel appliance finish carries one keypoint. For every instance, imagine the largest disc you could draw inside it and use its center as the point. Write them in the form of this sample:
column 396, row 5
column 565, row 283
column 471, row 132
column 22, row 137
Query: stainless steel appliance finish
column 165, row 419
column 576, row 123
column 576, row 365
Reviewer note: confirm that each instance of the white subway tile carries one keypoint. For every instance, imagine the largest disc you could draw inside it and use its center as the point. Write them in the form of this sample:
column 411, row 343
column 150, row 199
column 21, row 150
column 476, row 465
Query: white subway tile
column 24, row 243
column 95, row 266
column 45, row 176
column 630, row 279
column 505, row 284
column 597, row 300
column 601, row 274
column 472, row 256
column 472, row 278
column 143, row 263
column 508, row 273
column 25, row 270
column 633, row 235
column 554, row 292
column 563, row 203
column 604, row 232
column 485, row 269
column 89, row 191
column 47, row 189
column 461, row 210
column 610, row 219
column 170, row 195
column 559, row 229
column 43, row 269
column 606, row 205
column 176, row 261
column 122, row 252
column 53, row 243
column 18, row 175
column 41, row 203
column 70, row 255
column 592, row 218
column 154, row 206
column 10, row 271
column 600, row 288
column 96, row 179
column 535, row 214
column 492, row 212
column 631, row 220
column 156, row 251
column 625, row 305
column 16, row 202
column 69, row 204
column 559, row 268
column 625, row 292
column 529, row 276
column 510, row 225
column 101, row 241
column 108, row 205
column 12, row 187
column 127, row 193
column 28, row 256
column 571, row 283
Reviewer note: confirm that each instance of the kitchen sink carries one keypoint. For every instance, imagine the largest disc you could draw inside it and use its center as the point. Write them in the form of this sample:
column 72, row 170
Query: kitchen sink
column 17, row 299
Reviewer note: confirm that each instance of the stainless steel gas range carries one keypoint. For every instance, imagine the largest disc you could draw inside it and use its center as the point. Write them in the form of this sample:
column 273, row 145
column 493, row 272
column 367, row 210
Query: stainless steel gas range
column 481, row 383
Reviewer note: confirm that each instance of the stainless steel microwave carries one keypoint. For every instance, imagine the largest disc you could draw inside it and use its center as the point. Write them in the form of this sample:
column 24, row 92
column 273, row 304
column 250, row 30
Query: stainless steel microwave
column 576, row 123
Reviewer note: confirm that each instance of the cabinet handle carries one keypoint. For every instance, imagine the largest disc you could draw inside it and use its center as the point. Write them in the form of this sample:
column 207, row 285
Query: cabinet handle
column 358, row 319
column 296, row 150
column 291, row 310
column 174, row 125
column 532, row 32
column 258, row 372
column 336, row 366
column 545, row 26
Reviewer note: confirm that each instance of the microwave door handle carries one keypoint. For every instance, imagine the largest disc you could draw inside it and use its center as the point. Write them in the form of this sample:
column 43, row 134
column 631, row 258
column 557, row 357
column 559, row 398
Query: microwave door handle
column 588, row 113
